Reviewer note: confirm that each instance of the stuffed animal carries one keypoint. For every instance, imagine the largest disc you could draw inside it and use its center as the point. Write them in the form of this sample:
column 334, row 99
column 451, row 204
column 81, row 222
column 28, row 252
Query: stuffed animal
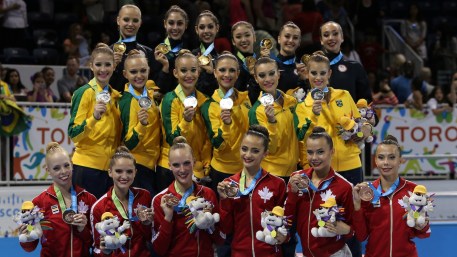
column 31, row 216
column 272, row 222
column 417, row 205
column 326, row 213
column 111, row 231
column 349, row 127
column 199, row 214
column 299, row 94
column 366, row 111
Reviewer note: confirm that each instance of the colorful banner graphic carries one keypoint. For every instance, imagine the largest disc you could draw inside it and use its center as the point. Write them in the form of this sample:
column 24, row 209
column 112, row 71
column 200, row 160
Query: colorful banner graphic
column 420, row 133
column 48, row 124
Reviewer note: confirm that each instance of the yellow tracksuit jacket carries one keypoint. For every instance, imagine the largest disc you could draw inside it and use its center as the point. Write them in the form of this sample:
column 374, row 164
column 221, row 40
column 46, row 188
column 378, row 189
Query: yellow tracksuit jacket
column 346, row 155
column 226, row 139
column 142, row 141
column 174, row 124
column 95, row 140
column 283, row 156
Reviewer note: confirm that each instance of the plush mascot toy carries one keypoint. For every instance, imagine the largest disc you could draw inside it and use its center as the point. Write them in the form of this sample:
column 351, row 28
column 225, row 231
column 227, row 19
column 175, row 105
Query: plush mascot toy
column 417, row 205
column 110, row 230
column 273, row 222
column 199, row 214
column 366, row 111
column 30, row 215
column 326, row 213
column 348, row 127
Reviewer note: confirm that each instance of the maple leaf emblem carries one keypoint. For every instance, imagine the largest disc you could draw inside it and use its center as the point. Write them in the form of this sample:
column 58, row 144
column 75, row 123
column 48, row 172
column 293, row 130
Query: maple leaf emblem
column 82, row 207
column 265, row 194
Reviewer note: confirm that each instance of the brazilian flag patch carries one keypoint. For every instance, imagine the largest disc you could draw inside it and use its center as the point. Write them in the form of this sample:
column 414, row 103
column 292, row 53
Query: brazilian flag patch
column 339, row 103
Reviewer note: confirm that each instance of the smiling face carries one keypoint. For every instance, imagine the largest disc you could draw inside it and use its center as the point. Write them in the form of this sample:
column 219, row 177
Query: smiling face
column 388, row 160
column 175, row 25
column 319, row 154
column 136, row 71
column 206, row 29
column 181, row 163
column 318, row 74
column 267, row 76
column 252, row 152
column 289, row 41
column 331, row 37
column 102, row 66
column 243, row 39
column 187, row 72
column 60, row 168
column 226, row 73
column 123, row 173
column 129, row 21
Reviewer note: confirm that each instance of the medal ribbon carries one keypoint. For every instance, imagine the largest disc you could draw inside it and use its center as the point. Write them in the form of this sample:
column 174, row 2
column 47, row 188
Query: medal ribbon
column 313, row 187
column 182, row 202
column 243, row 59
column 208, row 50
column 121, row 210
column 132, row 91
column 127, row 40
column 180, row 93
column 336, row 59
column 227, row 94
column 175, row 49
column 251, row 186
column 377, row 192
column 286, row 62
column 63, row 206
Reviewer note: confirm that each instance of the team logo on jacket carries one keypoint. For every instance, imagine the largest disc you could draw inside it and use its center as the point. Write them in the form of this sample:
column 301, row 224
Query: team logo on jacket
column 55, row 209
column 265, row 194
column 339, row 103
column 82, row 207
column 342, row 68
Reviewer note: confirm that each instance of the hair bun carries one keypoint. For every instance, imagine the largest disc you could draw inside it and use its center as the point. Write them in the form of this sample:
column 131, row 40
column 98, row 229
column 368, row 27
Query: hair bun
column 179, row 140
column 52, row 146
column 122, row 149
column 101, row 45
column 392, row 138
column 318, row 129
column 135, row 52
column 319, row 53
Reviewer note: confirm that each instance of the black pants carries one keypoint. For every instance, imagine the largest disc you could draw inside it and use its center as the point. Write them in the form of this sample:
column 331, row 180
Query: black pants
column 163, row 177
column 216, row 177
column 96, row 182
column 145, row 178
column 355, row 176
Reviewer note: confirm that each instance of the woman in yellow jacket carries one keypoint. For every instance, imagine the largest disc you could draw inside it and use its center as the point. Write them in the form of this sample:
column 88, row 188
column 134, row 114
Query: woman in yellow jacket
column 226, row 119
column 326, row 113
column 95, row 126
column 275, row 110
column 140, row 120
column 180, row 111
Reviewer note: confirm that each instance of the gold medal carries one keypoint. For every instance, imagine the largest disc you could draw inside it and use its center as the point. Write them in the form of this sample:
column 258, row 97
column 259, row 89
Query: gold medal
column 305, row 58
column 204, row 60
column 273, row 233
column 163, row 48
column 119, row 47
column 29, row 228
column 266, row 43
column 321, row 223
column 416, row 215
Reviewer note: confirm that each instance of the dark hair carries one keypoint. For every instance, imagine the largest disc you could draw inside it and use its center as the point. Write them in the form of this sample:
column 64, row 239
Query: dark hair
column 8, row 81
column 289, row 24
column 175, row 8
column 416, row 84
column 319, row 132
column 242, row 23
column 46, row 69
column 261, row 132
column 73, row 57
column 209, row 14
column 227, row 55
column 264, row 60
column 101, row 48
column 180, row 142
column 390, row 140
column 37, row 75
column 121, row 152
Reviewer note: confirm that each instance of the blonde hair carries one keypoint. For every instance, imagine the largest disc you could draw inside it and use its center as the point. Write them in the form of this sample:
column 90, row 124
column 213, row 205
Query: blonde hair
column 101, row 48
column 54, row 147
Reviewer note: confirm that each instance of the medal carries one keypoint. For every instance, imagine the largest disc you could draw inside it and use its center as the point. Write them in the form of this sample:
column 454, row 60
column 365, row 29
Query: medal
column 232, row 190
column 204, row 60
column 366, row 194
column 226, row 104
column 321, row 223
column 119, row 47
column 305, row 58
column 317, row 94
column 145, row 102
column 267, row 99
column 303, row 183
column 250, row 63
column 266, row 43
column 190, row 101
column 68, row 216
column 163, row 48
column 273, row 233
column 103, row 97
column 416, row 215
column 171, row 200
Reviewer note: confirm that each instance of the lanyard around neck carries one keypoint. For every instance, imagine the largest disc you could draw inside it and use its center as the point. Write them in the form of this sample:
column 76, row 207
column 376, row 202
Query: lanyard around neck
column 378, row 191
column 336, row 59
column 323, row 187
column 132, row 92
column 127, row 40
column 248, row 190
column 175, row 49
column 120, row 209
column 207, row 50
column 61, row 201
column 227, row 94
column 182, row 202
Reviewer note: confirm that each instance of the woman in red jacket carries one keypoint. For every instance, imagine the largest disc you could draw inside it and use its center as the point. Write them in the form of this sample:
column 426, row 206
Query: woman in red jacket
column 381, row 219
column 174, row 234
column 258, row 191
column 129, row 204
column 320, row 200
column 62, row 201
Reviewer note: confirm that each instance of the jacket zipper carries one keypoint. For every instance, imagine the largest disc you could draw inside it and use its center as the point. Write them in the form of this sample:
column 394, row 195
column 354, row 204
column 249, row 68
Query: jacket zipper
column 71, row 240
column 309, row 221
column 391, row 226
column 198, row 245
column 252, row 225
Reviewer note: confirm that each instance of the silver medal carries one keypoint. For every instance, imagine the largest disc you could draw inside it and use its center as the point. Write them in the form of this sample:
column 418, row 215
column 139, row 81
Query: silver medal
column 145, row 102
column 190, row 101
column 226, row 104
column 317, row 94
column 267, row 99
column 103, row 97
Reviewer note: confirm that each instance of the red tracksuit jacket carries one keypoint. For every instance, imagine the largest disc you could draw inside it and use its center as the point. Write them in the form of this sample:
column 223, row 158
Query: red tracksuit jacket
column 59, row 238
column 384, row 226
column 302, row 207
column 139, row 235
column 173, row 239
column 241, row 215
